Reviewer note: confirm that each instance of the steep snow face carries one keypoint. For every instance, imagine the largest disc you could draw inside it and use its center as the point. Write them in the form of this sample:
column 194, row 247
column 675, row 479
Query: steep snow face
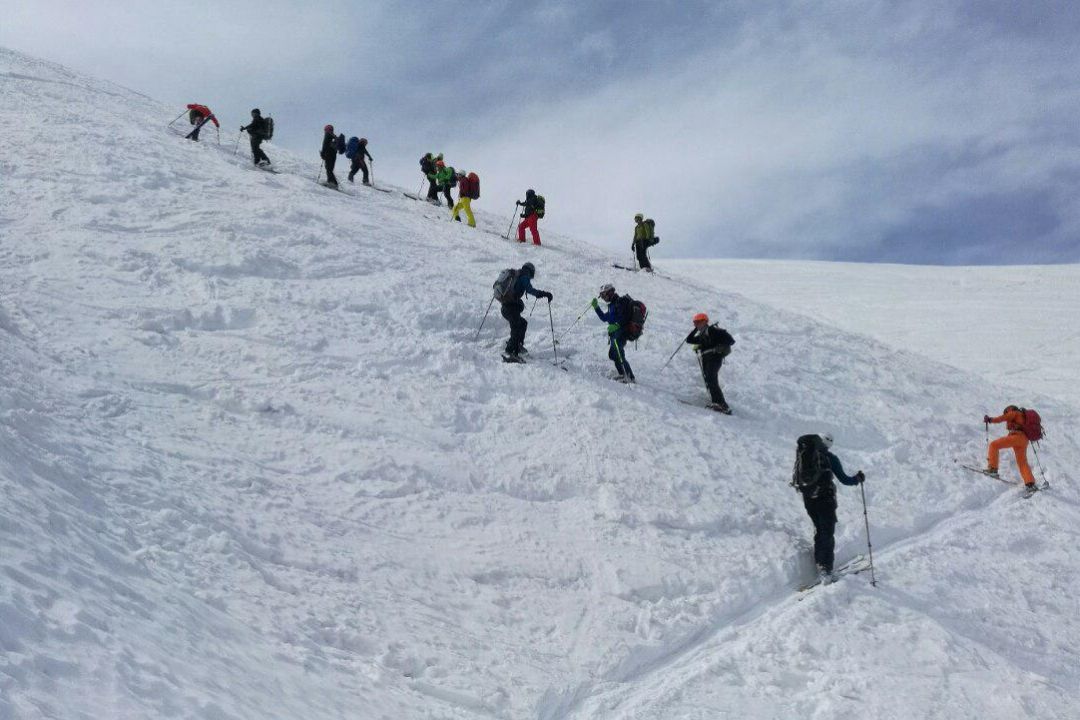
column 1015, row 325
column 255, row 465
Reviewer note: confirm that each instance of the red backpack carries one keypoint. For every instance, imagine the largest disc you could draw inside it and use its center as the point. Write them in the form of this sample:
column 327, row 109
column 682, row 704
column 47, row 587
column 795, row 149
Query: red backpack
column 1032, row 426
column 474, row 186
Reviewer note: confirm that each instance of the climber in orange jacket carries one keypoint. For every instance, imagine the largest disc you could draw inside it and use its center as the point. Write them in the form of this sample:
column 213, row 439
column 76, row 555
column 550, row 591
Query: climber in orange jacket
column 1013, row 417
column 199, row 115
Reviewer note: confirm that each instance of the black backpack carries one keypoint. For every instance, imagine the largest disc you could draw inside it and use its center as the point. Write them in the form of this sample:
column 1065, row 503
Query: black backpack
column 269, row 133
column 339, row 144
column 812, row 472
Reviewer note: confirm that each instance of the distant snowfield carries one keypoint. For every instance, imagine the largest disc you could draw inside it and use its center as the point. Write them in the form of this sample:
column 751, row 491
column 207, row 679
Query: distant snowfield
column 1017, row 326
column 253, row 464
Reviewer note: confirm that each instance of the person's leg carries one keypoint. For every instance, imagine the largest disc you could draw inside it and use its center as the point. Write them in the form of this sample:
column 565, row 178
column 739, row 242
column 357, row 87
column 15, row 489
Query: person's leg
column 353, row 167
column 364, row 170
column 532, row 220
column 457, row 208
column 822, row 511
column 331, row 161
column 642, row 258
column 518, row 325
column 1019, row 446
column 448, row 196
column 521, row 230
column 710, row 370
column 994, row 451
column 467, row 207
column 620, row 343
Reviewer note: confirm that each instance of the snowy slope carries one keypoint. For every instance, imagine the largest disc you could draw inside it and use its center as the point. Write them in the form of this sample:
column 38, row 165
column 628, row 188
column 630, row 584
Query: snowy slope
column 254, row 466
column 1016, row 325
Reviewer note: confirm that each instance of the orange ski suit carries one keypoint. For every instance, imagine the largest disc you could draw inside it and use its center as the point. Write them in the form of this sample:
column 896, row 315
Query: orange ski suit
column 1014, row 422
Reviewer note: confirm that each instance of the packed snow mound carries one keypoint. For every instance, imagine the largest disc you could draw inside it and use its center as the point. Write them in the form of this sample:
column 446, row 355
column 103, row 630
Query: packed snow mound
column 254, row 465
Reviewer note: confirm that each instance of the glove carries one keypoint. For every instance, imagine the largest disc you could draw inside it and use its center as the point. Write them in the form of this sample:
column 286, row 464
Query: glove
column 546, row 295
column 517, row 202
column 243, row 128
column 860, row 477
column 986, row 419
column 595, row 304
column 612, row 328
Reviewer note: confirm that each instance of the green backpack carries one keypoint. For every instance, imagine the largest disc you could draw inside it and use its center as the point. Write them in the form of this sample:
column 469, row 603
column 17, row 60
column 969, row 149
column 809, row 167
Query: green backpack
column 539, row 206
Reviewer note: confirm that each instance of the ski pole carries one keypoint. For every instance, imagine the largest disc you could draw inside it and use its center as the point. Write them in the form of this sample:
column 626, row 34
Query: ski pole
column 575, row 322
column 319, row 175
column 372, row 172
column 673, row 355
column 869, row 548
column 484, row 320
column 554, row 347
column 1042, row 471
column 420, row 187
column 237, row 148
column 534, row 306
column 176, row 118
column 512, row 219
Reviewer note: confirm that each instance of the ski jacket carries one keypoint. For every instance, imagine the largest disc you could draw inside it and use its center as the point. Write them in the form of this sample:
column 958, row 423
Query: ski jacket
column 530, row 206
column 826, row 487
column 838, row 470
column 443, row 176
column 363, row 151
column 205, row 112
column 711, row 340
column 523, row 285
column 257, row 128
column 329, row 146
column 644, row 236
column 1013, row 419
column 618, row 312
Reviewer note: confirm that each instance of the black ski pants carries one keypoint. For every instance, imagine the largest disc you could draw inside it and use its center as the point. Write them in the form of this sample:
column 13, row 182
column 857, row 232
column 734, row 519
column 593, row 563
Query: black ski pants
column 710, row 371
column 448, row 196
column 518, row 325
column 257, row 155
column 194, row 134
column 642, row 253
column 433, row 190
column 822, row 511
column 358, row 165
column 330, row 160
column 617, row 353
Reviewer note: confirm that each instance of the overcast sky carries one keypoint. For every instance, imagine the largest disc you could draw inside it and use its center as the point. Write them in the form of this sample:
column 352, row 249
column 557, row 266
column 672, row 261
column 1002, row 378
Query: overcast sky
column 925, row 131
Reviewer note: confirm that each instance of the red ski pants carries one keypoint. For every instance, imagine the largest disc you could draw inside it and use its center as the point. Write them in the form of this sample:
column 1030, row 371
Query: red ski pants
column 1019, row 443
column 529, row 222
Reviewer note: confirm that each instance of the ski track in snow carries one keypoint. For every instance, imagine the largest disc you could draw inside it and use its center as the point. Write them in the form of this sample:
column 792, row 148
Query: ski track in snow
column 254, row 465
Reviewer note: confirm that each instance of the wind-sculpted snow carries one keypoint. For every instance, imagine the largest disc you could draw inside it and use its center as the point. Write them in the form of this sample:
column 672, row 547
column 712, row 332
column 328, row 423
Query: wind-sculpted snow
column 254, row 465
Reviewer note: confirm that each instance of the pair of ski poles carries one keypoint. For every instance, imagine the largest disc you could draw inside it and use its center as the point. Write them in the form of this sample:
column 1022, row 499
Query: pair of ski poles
column 551, row 321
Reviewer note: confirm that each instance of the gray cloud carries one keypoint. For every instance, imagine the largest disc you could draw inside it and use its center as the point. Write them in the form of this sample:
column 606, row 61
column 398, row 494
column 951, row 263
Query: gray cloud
column 918, row 131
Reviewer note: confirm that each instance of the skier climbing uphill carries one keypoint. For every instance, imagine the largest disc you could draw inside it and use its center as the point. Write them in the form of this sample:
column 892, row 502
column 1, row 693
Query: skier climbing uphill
column 329, row 153
column 199, row 115
column 1023, row 426
column 532, row 211
column 510, row 288
column 644, row 238
column 815, row 467
column 259, row 129
column 620, row 317
column 712, row 344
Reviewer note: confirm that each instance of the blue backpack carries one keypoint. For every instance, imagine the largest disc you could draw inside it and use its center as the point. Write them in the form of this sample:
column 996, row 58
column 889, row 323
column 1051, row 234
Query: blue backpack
column 352, row 147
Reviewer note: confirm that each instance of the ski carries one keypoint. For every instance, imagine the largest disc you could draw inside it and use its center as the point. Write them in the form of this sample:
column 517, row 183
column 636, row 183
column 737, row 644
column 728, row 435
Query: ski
column 854, row 566
column 265, row 169
column 513, row 359
column 705, row 407
column 331, row 187
column 981, row 471
column 623, row 267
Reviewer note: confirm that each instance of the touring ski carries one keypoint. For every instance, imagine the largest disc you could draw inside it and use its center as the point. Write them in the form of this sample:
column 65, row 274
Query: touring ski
column 854, row 566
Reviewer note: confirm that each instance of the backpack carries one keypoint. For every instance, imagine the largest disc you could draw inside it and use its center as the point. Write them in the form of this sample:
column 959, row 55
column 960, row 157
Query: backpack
column 269, row 129
column 474, row 186
column 539, row 206
column 1032, row 425
column 339, row 144
column 453, row 178
column 725, row 336
column 352, row 147
column 812, row 471
column 635, row 316
column 504, row 285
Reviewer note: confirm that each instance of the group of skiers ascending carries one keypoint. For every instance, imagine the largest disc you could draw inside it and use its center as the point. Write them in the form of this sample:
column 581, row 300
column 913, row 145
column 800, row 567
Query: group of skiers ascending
column 355, row 149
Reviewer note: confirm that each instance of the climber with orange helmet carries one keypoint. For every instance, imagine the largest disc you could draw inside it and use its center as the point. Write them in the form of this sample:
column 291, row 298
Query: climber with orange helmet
column 712, row 344
column 1014, row 419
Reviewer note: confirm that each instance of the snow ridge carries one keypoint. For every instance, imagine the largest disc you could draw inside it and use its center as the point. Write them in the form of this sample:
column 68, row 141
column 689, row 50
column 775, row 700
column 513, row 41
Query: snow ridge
column 254, row 465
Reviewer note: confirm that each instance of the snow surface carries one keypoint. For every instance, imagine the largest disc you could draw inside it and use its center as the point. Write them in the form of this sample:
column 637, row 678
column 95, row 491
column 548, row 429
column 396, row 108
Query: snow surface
column 254, row 465
column 1017, row 325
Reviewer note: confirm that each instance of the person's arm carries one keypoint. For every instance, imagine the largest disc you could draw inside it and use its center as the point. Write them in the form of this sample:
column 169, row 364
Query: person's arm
column 838, row 471
column 692, row 337
column 608, row 316
column 368, row 154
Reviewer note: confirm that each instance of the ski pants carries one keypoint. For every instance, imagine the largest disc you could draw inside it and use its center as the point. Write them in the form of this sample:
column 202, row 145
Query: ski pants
column 358, row 165
column 512, row 311
column 194, row 134
column 466, row 205
column 822, row 511
column 1019, row 444
column 448, row 196
column 257, row 155
column 642, row 253
column 529, row 222
column 330, row 161
column 710, row 372
column 617, row 353
column 433, row 190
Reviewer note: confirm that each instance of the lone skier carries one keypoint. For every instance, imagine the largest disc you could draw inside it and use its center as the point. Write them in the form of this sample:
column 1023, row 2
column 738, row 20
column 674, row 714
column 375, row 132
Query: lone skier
column 815, row 467
column 644, row 238
column 617, row 316
column 512, row 306
column 1017, row 438
column 199, row 115
column 258, row 130
column 329, row 154
column 712, row 344
column 532, row 211
column 359, row 163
